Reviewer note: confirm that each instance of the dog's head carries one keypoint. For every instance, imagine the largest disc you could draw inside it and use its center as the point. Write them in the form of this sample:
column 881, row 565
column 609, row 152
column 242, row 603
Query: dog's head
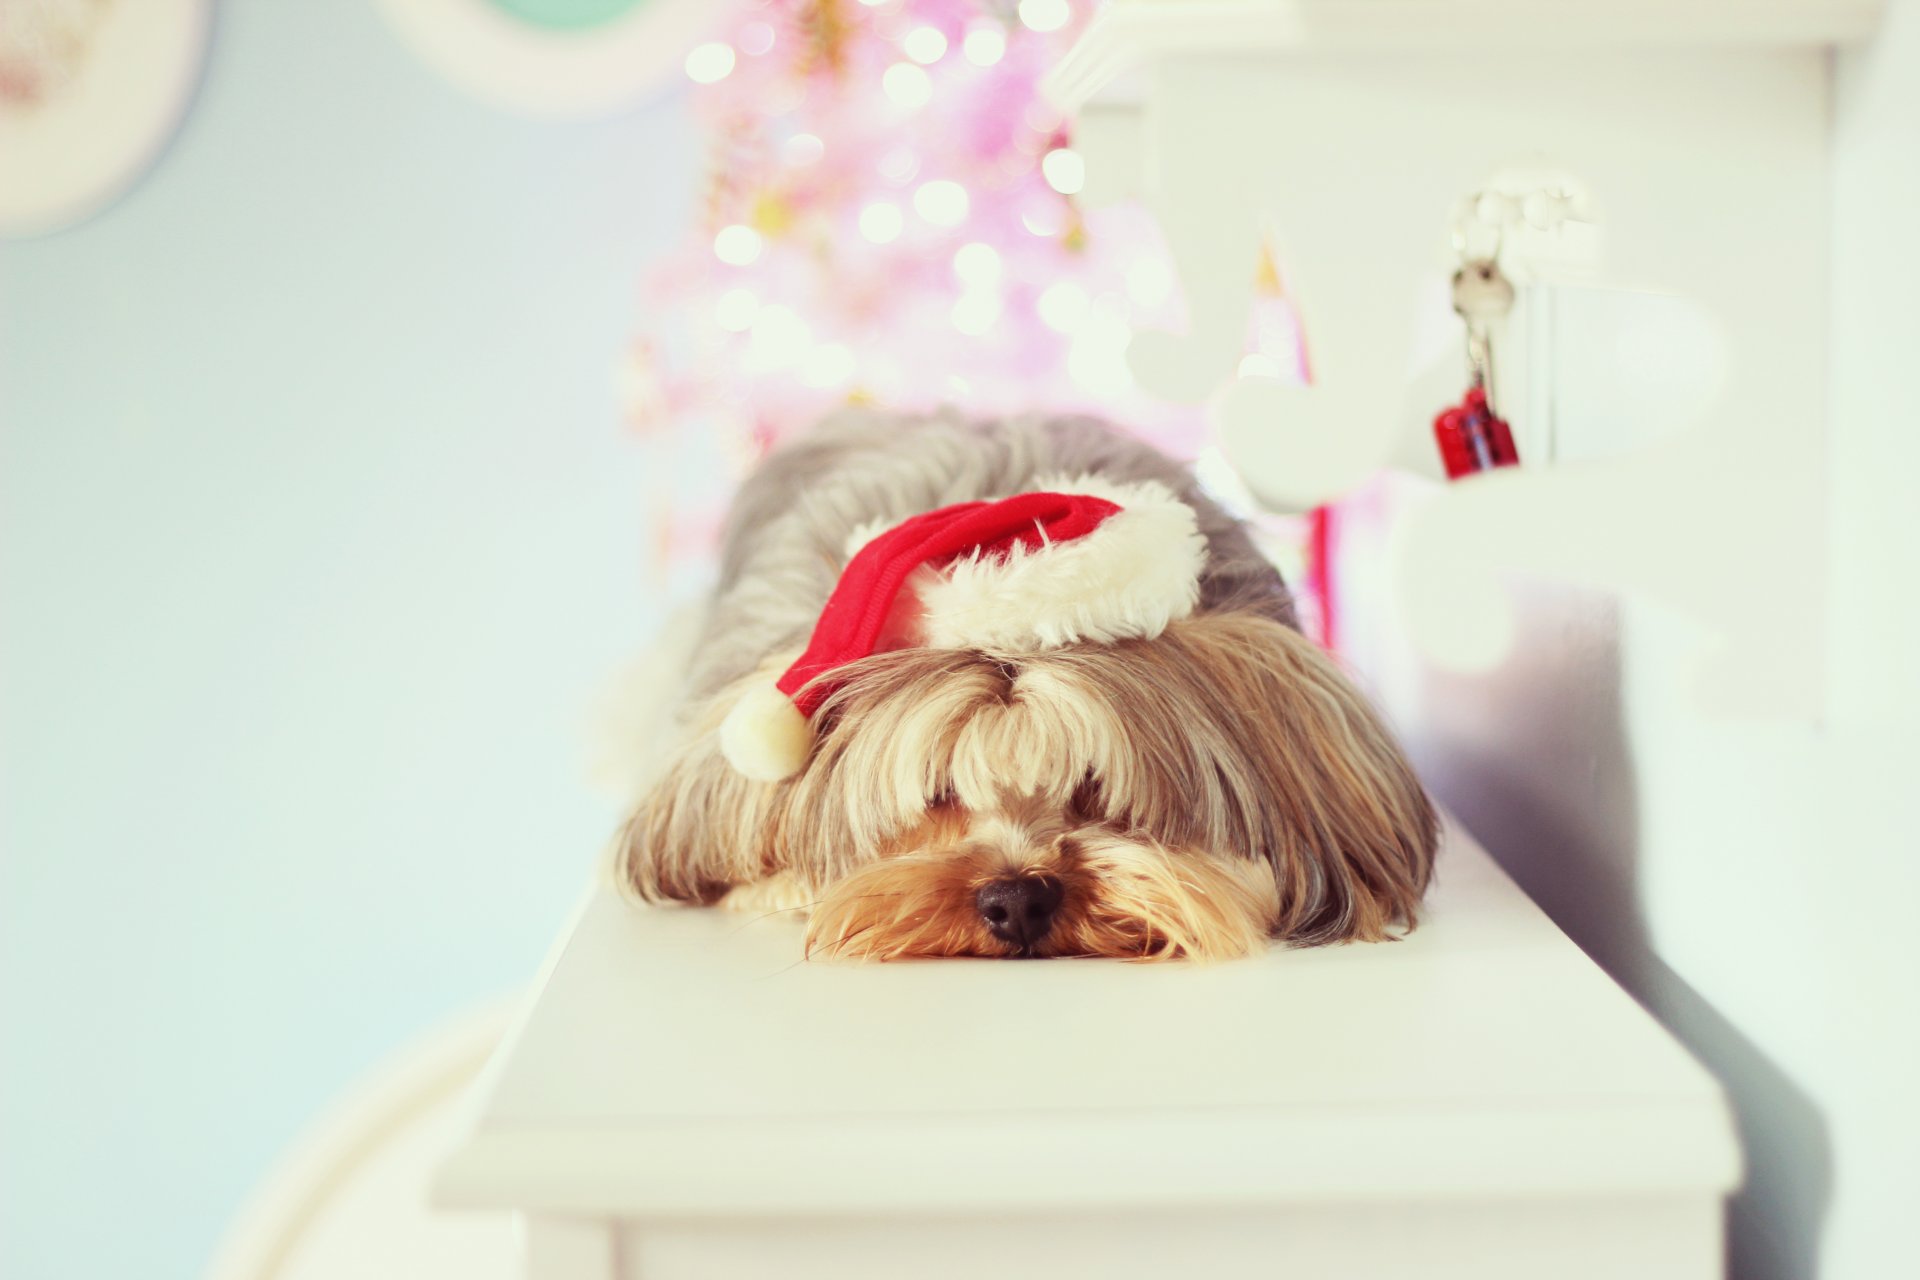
column 1192, row 795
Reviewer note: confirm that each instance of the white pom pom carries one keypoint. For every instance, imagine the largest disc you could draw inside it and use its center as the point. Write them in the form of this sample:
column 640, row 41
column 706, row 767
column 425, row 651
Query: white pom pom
column 765, row 736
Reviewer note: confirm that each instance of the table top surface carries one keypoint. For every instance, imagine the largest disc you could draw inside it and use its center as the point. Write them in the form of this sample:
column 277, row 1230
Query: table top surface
column 684, row 1062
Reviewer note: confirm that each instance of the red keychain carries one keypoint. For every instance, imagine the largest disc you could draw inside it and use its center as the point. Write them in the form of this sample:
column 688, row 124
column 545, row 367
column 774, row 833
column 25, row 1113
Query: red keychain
column 1472, row 437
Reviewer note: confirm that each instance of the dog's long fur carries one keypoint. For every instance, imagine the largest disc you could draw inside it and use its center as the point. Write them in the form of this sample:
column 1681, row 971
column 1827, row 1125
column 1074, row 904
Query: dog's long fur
column 1196, row 794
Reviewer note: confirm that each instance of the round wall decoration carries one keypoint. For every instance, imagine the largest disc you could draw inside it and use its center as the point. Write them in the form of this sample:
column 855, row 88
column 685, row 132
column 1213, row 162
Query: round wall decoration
column 553, row 57
column 90, row 90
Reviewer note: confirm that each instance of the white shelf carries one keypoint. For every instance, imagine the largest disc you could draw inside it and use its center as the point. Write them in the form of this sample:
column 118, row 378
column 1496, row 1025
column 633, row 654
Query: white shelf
column 685, row 1064
column 1127, row 34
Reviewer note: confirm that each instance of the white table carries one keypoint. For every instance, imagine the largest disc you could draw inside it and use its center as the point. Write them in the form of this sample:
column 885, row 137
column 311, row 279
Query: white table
column 685, row 1098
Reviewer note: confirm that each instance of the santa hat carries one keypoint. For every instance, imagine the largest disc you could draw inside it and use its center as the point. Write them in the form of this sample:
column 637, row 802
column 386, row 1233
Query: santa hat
column 1083, row 561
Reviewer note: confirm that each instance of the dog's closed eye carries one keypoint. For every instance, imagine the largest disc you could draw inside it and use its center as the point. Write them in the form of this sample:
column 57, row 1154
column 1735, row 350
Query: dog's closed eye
column 1088, row 802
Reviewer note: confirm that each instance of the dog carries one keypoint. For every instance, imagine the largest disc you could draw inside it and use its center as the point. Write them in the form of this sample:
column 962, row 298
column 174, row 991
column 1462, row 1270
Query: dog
column 1019, row 689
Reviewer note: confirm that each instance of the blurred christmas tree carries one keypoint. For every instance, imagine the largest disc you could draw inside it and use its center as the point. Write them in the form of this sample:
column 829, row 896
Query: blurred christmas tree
column 891, row 218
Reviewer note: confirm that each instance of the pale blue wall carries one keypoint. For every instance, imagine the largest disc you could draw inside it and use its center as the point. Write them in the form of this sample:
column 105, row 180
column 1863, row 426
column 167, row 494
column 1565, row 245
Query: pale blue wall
column 319, row 534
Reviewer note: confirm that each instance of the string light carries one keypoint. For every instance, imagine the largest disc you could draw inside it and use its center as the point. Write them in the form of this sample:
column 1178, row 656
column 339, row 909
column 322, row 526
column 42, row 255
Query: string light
column 907, row 85
column 1062, row 306
column 1045, row 15
column 1042, row 118
column 1044, row 221
column 780, row 338
column 710, row 63
column 899, row 164
column 735, row 309
column 756, row 39
column 881, row 221
column 977, row 265
column 736, row 245
column 1064, row 170
column 941, row 202
column 925, row 45
column 827, row 365
column 975, row 313
column 802, row 149
column 985, row 43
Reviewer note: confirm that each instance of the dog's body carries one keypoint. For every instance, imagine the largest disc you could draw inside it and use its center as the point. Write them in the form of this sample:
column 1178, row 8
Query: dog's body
column 1192, row 792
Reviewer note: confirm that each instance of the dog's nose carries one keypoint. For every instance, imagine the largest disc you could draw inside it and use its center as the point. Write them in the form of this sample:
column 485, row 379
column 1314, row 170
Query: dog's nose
column 1020, row 910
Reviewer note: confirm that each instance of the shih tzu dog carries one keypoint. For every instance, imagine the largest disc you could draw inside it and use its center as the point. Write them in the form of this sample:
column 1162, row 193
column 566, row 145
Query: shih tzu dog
column 1019, row 689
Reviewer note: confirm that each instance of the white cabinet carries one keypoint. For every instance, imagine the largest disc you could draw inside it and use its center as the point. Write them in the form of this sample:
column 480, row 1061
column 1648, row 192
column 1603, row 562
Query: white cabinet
column 686, row 1097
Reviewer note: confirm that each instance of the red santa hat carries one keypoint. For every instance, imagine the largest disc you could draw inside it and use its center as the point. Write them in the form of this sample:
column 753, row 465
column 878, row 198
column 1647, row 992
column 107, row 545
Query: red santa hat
column 1082, row 561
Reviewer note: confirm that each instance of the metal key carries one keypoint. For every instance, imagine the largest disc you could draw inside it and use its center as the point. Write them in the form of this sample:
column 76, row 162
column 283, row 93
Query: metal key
column 1481, row 295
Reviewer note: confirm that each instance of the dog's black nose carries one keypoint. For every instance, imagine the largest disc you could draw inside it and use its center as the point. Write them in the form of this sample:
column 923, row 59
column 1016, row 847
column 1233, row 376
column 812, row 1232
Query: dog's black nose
column 1020, row 910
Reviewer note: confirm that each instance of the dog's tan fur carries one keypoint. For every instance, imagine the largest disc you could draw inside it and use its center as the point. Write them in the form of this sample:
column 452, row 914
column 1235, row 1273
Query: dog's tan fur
column 1196, row 794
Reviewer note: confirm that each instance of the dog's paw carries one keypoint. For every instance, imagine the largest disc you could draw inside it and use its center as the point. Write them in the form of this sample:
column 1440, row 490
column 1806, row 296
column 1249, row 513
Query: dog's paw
column 776, row 894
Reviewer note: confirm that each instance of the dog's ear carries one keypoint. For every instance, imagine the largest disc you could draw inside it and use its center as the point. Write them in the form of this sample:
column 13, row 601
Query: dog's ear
column 1295, row 767
column 704, row 827
column 701, row 828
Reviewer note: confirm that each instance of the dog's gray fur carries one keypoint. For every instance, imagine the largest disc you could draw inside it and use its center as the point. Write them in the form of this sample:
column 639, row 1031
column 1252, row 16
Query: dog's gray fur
column 786, row 538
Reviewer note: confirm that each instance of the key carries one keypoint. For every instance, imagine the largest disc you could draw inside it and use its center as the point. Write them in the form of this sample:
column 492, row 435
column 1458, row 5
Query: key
column 1481, row 295
column 1472, row 436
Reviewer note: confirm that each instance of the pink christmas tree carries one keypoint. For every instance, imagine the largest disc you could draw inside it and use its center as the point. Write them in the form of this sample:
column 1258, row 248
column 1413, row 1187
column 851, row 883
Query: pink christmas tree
column 892, row 218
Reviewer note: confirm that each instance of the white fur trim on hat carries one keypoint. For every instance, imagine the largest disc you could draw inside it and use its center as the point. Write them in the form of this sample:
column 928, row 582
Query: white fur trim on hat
column 1134, row 574
column 765, row 737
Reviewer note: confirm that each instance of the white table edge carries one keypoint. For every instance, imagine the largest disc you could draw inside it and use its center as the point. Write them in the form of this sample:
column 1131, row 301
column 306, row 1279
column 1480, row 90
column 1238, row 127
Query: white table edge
column 777, row 1168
